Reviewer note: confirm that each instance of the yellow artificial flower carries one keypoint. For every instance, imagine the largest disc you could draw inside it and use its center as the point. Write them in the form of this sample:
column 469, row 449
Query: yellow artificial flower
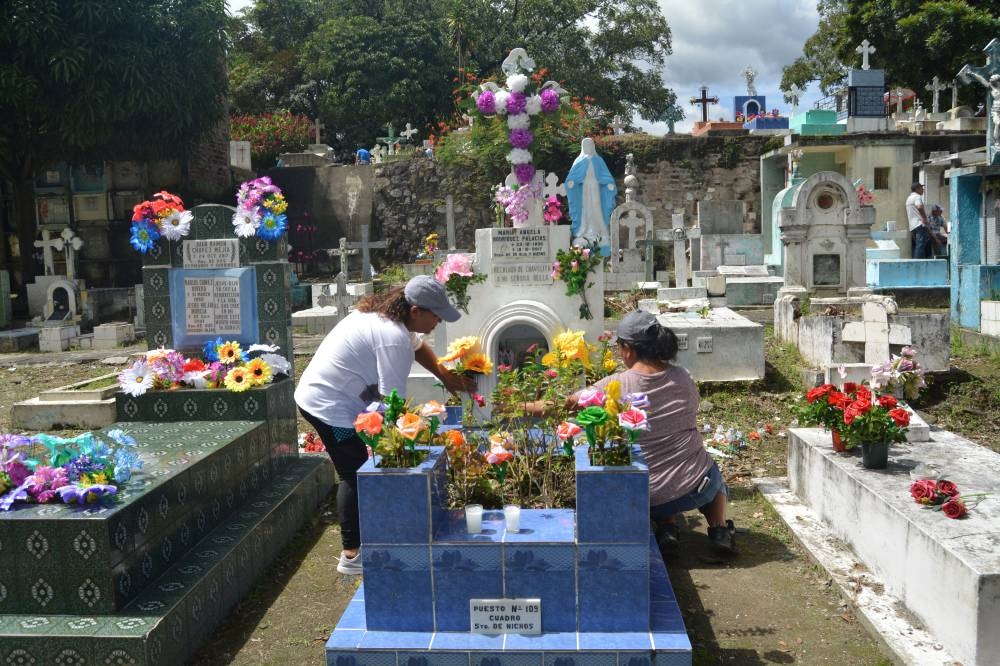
column 569, row 346
column 276, row 203
column 462, row 346
column 93, row 478
column 230, row 352
column 610, row 365
column 613, row 390
column 238, row 380
column 259, row 372
column 478, row 363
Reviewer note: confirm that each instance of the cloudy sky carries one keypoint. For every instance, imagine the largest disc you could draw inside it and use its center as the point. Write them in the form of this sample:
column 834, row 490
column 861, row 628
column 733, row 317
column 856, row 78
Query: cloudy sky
column 715, row 40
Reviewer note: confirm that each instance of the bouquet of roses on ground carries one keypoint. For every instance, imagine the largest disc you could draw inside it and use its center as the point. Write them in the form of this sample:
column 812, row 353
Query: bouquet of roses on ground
column 77, row 470
column 163, row 215
column 225, row 365
column 456, row 273
column 574, row 266
column 611, row 423
column 943, row 495
column 260, row 210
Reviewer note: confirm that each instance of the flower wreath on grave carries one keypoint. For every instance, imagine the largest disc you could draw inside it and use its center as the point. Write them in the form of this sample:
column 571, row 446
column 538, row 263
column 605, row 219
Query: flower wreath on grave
column 163, row 215
column 456, row 273
column 574, row 266
column 260, row 210
column 225, row 365
column 78, row 470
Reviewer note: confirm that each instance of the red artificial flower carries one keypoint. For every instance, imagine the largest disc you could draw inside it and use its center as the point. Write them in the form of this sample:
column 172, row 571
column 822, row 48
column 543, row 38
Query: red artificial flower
column 838, row 399
column 947, row 488
column 900, row 416
column 815, row 393
column 194, row 365
column 887, row 401
column 954, row 508
column 924, row 491
column 850, row 387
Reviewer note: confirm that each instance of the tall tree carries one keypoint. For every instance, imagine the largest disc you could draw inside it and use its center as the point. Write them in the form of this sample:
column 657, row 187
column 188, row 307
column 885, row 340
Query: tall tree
column 101, row 79
column 916, row 40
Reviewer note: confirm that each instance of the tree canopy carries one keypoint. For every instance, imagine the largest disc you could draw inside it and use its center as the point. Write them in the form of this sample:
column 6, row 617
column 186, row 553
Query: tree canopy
column 130, row 79
column 915, row 41
column 359, row 65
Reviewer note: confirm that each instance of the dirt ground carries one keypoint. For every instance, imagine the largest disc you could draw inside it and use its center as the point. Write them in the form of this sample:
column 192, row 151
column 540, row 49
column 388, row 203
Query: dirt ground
column 770, row 605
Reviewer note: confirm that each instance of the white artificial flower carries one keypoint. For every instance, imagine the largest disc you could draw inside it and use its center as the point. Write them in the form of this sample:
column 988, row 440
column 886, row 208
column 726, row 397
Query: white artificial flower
column 533, row 105
column 519, row 156
column 246, row 222
column 500, row 98
column 197, row 379
column 519, row 121
column 517, row 82
column 136, row 380
column 279, row 364
column 270, row 349
column 177, row 225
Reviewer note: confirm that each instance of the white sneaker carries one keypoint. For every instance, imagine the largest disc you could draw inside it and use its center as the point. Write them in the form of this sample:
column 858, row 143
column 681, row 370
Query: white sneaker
column 350, row 565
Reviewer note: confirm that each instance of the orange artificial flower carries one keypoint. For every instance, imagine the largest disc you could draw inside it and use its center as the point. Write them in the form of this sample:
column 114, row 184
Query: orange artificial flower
column 454, row 438
column 479, row 363
column 410, row 426
column 369, row 423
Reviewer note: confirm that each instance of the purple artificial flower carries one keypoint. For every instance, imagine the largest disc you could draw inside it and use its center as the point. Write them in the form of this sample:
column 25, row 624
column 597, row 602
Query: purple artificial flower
column 77, row 494
column 637, row 400
column 521, row 138
column 550, row 100
column 16, row 470
column 42, row 485
column 516, row 103
column 524, row 173
column 20, row 493
column 10, row 441
column 486, row 103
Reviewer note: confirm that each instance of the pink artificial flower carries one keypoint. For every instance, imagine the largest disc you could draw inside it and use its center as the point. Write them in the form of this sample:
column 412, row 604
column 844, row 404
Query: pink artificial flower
column 551, row 373
column 566, row 430
column 454, row 264
column 532, row 347
column 633, row 419
column 586, row 252
column 479, row 399
column 574, row 264
column 498, row 455
column 591, row 398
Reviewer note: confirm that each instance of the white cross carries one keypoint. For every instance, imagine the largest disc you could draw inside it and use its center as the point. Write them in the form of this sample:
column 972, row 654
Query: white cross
column 876, row 332
column 681, row 235
column 794, row 92
column 632, row 220
column 935, row 87
column 617, row 125
column 71, row 243
column 552, row 186
column 899, row 102
column 343, row 252
column 865, row 49
column 48, row 244
column 408, row 133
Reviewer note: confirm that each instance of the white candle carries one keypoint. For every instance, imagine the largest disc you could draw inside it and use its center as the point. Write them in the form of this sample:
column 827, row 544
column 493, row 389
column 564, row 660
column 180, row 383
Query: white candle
column 474, row 518
column 512, row 517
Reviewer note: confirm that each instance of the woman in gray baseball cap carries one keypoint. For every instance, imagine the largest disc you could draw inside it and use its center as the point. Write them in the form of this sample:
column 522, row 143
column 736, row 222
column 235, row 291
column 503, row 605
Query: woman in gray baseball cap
column 367, row 355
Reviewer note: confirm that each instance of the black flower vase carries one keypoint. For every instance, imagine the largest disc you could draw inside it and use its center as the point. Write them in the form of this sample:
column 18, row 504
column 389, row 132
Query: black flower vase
column 875, row 455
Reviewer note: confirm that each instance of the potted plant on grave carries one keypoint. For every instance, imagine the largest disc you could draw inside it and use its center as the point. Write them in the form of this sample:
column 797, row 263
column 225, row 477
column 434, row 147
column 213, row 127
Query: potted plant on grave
column 873, row 422
column 823, row 406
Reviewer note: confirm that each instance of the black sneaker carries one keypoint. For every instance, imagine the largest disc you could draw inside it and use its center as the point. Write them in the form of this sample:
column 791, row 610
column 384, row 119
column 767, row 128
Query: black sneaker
column 668, row 538
column 722, row 538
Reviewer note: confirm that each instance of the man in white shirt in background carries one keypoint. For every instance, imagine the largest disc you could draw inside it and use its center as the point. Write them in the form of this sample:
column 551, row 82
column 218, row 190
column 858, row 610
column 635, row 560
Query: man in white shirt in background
column 920, row 232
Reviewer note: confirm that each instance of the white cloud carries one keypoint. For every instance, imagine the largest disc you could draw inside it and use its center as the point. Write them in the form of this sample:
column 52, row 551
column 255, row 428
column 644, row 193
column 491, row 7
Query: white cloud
column 714, row 41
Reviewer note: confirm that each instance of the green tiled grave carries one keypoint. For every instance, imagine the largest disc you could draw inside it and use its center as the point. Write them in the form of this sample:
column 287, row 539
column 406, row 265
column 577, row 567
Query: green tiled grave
column 169, row 619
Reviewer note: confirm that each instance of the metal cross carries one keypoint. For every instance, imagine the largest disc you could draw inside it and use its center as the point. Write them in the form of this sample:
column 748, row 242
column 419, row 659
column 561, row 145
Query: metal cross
column 704, row 101
column 865, row 49
column 935, row 87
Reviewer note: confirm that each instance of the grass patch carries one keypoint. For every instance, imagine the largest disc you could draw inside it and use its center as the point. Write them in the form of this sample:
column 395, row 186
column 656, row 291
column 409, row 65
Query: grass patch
column 98, row 383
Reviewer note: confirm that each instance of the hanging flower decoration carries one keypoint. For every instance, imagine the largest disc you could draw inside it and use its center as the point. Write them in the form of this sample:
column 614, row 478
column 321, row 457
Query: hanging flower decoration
column 162, row 216
column 519, row 102
column 456, row 273
column 260, row 210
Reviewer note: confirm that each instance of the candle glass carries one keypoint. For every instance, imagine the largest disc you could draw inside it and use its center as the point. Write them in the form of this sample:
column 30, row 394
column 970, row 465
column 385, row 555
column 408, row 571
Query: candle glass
column 512, row 518
column 474, row 518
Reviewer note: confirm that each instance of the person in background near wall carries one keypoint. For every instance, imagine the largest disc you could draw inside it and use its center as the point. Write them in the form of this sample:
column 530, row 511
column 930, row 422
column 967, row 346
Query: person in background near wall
column 920, row 231
column 939, row 230
column 363, row 156
column 365, row 357
column 682, row 475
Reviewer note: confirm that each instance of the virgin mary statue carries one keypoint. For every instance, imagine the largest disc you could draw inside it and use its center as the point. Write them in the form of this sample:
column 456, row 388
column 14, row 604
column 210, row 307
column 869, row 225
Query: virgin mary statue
column 591, row 190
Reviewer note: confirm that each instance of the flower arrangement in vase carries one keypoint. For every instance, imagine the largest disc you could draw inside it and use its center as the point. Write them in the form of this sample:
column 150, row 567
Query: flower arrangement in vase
column 393, row 429
column 163, row 215
column 429, row 249
column 456, row 273
column 611, row 423
column 873, row 422
column 260, row 210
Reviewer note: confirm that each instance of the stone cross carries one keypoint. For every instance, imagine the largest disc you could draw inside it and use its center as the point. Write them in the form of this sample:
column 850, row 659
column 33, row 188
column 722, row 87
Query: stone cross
column 71, row 243
column 48, row 244
column 750, row 74
column 865, row 49
column 954, row 93
column 389, row 140
column 722, row 244
column 794, row 92
column 682, row 236
column 449, row 220
column 935, row 87
column 617, row 125
column 408, row 133
column 366, row 246
column 704, row 101
column 649, row 244
column 876, row 332
column 343, row 252
column 317, row 127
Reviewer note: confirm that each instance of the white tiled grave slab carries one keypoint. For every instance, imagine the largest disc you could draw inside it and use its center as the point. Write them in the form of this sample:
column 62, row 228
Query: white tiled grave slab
column 946, row 572
column 723, row 347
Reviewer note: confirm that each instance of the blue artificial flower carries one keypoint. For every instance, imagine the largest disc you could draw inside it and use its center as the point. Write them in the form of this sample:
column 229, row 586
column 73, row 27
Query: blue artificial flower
column 272, row 226
column 126, row 460
column 211, row 350
column 121, row 438
column 144, row 235
column 77, row 494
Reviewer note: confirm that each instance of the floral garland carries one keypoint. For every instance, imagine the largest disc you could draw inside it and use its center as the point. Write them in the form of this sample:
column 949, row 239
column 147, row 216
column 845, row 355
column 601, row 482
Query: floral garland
column 225, row 364
column 519, row 101
column 260, row 210
column 163, row 215
column 77, row 470
column 574, row 267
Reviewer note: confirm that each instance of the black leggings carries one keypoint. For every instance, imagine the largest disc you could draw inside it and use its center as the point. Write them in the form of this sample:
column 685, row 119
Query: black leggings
column 348, row 455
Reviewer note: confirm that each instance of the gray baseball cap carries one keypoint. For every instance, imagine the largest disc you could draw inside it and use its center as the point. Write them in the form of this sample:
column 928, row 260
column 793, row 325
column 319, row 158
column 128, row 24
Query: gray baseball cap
column 427, row 293
column 638, row 326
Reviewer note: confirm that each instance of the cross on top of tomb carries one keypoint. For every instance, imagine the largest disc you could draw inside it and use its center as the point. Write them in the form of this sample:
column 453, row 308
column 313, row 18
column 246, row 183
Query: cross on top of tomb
column 617, row 125
column 704, row 101
column 366, row 246
column 71, row 243
column 935, row 86
column 317, row 127
column 552, row 186
column 989, row 76
column 865, row 49
column 899, row 100
column 391, row 139
column 876, row 332
column 343, row 252
column 793, row 95
column 48, row 244
column 408, row 133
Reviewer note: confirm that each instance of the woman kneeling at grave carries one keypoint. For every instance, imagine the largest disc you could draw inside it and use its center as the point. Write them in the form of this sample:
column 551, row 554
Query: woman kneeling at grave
column 364, row 357
column 682, row 475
